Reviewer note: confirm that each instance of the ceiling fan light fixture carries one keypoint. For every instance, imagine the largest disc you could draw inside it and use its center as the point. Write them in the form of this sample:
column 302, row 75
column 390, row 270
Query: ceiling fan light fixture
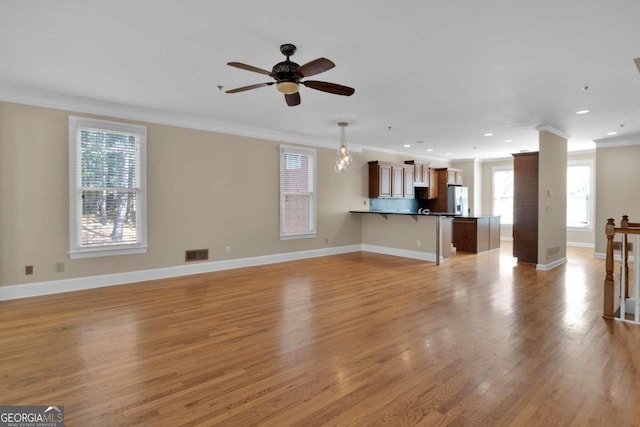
column 287, row 87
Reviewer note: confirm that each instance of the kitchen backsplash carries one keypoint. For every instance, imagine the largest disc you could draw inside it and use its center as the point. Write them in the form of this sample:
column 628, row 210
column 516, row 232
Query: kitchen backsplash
column 399, row 205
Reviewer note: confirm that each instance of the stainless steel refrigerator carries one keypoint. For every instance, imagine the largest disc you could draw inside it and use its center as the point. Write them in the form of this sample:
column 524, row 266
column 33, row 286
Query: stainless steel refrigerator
column 458, row 200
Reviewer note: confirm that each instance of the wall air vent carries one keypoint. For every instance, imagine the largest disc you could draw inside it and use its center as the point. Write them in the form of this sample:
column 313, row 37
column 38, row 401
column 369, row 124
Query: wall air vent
column 553, row 251
column 196, row 255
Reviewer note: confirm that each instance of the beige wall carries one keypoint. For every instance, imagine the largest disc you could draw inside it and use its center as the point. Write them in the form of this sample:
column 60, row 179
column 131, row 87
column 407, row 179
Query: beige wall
column 552, row 197
column 400, row 232
column 617, row 178
column 205, row 190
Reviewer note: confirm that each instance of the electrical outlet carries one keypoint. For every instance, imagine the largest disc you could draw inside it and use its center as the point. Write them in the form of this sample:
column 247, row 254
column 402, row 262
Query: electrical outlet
column 28, row 269
column 419, row 243
column 227, row 250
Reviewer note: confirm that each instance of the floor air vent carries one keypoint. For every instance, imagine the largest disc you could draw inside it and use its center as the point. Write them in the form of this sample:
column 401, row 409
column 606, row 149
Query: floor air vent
column 196, row 255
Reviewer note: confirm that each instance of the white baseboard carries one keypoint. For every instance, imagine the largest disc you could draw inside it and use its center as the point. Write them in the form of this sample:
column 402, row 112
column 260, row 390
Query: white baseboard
column 405, row 253
column 551, row 265
column 616, row 257
column 581, row 245
column 82, row 283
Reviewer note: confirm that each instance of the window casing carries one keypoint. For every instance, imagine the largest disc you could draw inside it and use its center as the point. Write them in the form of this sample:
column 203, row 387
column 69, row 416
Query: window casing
column 579, row 195
column 297, row 192
column 107, row 188
column 503, row 194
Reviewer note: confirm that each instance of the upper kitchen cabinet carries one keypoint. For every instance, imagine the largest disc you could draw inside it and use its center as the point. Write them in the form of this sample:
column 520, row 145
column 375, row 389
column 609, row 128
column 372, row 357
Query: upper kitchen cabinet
column 390, row 180
column 420, row 173
column 455, row 176
column 379, row 180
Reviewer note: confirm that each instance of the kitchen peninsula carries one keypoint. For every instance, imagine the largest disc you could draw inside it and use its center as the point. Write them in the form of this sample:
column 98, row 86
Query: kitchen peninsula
column 407, row 234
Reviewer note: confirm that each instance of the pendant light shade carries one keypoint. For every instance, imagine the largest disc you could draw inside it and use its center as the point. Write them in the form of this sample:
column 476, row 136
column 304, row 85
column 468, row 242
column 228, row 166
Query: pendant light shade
column 344, row 157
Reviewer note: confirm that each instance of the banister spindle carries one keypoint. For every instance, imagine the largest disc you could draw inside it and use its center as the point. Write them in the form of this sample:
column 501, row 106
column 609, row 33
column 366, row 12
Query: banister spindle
column 608, row 281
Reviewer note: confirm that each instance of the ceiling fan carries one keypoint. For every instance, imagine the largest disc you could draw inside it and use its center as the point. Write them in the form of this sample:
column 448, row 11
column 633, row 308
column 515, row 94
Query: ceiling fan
column 287, row 75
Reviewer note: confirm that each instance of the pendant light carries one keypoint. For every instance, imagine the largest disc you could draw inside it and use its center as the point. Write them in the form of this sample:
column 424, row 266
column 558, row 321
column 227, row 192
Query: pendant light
column 344, row 157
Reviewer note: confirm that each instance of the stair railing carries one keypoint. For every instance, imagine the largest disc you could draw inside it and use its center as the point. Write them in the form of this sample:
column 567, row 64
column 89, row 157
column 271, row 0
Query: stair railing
column 622, row 302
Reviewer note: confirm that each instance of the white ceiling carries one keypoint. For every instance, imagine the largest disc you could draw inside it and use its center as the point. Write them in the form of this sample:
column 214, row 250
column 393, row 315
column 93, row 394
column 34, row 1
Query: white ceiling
column 440, row 72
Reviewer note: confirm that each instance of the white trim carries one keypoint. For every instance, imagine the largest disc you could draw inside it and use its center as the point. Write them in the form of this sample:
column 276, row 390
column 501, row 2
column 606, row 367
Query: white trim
column 26, row 290
column 83, row 283
column 581, row 245
column 405, row 253
column 149, row 115
column 551, row 265
column 619, row 141
column 616, row 257
column 76, row 125
column 553, row 130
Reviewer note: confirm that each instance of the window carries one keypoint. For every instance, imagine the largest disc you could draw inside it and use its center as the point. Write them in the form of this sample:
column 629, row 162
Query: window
column 503, row 194
column 107, row 195
column 579, row 199
column 297, row 192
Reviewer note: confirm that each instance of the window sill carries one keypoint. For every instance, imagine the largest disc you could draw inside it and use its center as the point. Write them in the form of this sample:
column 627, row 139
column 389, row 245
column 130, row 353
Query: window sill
column 298, row 236
column 102, row 252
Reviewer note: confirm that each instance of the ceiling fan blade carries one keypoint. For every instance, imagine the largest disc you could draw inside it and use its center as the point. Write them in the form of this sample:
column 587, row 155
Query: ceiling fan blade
column 292, row 99
column 314, row 67
column 243, row 88
column 329, row 87
column 249, row 68
column 637, row 61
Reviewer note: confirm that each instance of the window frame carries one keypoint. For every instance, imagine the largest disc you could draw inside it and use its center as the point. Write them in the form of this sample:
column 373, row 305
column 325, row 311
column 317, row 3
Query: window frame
column 493, row 191
column 591, row 202
column 76, row 250
column 312, row 153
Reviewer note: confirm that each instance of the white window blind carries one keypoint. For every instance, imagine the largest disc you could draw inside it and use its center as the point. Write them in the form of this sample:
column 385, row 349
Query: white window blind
column 297, row 192
column 107, row 188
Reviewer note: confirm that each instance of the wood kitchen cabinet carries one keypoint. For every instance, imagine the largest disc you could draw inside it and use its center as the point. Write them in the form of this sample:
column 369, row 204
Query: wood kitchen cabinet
column 476, row 234
column 379, row 180
column 433, row 184
column 455, row 176
column 420, row 173
column 390, row 180
column 408, row 181
column 525, row 207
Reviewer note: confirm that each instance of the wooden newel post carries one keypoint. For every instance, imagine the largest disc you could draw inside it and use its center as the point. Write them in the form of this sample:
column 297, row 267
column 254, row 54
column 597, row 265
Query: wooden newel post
column 624, row 252
column 610, row 230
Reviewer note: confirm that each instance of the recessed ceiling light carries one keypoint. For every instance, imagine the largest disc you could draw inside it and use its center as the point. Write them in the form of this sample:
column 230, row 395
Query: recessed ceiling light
column 407, row 145
column 612, row 133
column 582, row 112
column 524, row 146
column 429, row 149
column 448, row 154
column 508, row 140
column 488, row 134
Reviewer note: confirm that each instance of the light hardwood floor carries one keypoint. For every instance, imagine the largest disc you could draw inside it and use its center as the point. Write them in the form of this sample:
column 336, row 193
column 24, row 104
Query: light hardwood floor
column 358, row 339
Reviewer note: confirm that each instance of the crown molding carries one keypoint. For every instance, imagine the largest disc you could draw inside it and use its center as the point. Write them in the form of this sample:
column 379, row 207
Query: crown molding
column 82, row 105
column 553, row 130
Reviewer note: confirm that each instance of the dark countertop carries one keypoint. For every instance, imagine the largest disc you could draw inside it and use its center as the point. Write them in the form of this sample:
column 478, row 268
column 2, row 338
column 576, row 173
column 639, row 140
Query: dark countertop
column 407, row 213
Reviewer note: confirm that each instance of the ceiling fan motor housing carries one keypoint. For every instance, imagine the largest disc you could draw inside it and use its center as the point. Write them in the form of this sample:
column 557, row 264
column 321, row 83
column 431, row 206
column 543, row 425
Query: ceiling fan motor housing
column 285, row 71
